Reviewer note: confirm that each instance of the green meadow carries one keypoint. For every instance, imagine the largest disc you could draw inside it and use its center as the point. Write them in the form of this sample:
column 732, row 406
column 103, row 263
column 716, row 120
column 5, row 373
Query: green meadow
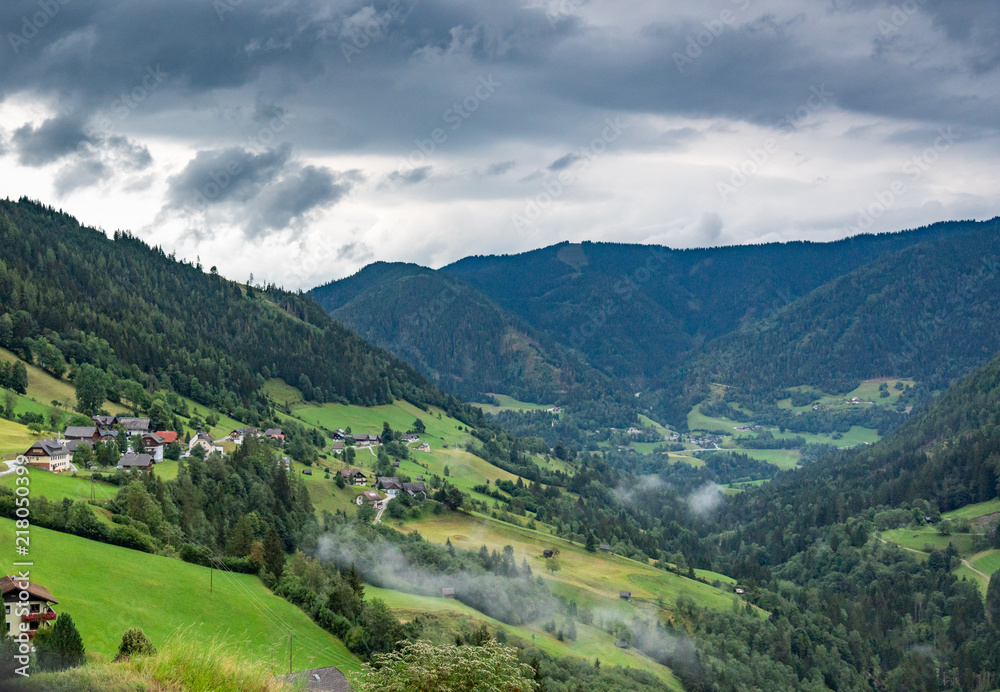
column 108, row 589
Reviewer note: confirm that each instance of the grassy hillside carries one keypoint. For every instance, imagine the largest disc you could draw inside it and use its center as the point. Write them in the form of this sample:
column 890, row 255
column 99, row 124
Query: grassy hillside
column 14, row 438
column 593, row 579
column 592, row 643
column 108, row 589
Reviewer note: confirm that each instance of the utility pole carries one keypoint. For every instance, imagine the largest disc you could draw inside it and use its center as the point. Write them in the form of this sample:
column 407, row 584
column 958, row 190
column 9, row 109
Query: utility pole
column 211, row 576
column 291, row 635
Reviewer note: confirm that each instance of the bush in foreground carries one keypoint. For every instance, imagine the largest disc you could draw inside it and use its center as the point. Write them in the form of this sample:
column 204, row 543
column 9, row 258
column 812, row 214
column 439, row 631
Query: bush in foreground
column 428, row 668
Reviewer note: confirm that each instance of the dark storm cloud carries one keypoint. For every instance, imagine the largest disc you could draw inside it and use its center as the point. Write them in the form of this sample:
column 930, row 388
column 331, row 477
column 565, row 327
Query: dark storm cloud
column 52, row 140
column 394, row 82
column 260, row 192
column 81, row 174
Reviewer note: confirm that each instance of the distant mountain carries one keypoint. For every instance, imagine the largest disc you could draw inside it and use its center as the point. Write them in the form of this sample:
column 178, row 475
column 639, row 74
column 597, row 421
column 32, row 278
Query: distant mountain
column 137, row 313
column 466, row 342
column 635, row 311
column 930, row 312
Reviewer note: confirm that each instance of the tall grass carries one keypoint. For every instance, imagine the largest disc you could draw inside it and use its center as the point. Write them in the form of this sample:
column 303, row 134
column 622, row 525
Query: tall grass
column 182, row 665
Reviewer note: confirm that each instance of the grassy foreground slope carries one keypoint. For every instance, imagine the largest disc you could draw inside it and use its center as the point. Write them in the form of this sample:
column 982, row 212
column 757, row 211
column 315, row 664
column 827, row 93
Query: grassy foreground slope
column 108, row 589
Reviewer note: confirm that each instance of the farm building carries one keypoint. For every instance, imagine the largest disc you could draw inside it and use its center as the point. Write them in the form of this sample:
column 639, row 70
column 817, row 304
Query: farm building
column 447, row 592
column 369, row 497
column 143, row 462
column 30, row 615
column 625, row 595
column 354, row 476
column 547, row 553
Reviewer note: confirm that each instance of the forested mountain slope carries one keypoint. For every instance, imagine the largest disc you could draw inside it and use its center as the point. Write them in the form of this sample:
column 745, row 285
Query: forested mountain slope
column 466, row 342
column 634, row 310
column 131, row 309
column 930, row 312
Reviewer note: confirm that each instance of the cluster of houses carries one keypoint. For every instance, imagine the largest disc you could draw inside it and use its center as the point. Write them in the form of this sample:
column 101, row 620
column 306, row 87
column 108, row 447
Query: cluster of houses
column 56, row 455
column 343, row 439
column 391, row 486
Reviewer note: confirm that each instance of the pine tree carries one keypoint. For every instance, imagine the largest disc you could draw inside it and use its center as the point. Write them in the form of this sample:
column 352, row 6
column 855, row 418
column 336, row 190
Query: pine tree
column 591, row 543
column 274, row 553
column 993, row 600
column 61, row 646
column 354, row 580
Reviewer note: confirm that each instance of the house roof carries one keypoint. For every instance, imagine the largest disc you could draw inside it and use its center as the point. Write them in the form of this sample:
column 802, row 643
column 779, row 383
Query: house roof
column 447, row 591
column 134, row 424
column 103, row 421
column 273, row 431
column 155, row 437
column 204, row 436
column 390, row 483
column 415, row 488
column 625, row 594
column 132, row 459
column 80, row 431
column 348, row 473
column 605, row 546
column 73, row 445
column 321, row 680
column 338, row 445
column 50, row 447
column 372, row 495
column 9, row 584
column 167, row 435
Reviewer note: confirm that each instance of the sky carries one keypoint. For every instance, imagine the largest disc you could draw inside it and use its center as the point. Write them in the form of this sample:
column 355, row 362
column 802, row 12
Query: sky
column 299, row 140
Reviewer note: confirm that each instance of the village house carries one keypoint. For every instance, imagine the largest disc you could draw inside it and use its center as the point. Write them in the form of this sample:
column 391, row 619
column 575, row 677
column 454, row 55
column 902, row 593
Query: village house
column 89, row 432
column 605, row 547
column 26, row 616
column 203, row 440
column 447, row 592
column 131, row 460
column 366, row 440
column 354, row 476
column 409, row 438
column 167, row 435
column 414, row 489
column 49, row 455
column 275, row 434
column 73, row 445
column 154, row 444
column 390, row 485
column 104, row 421
column 369, row 497
column 547, row 553
column 339, row 434
column 425, row 447
column 134, row 426
column 337, row 447
column 241, row 434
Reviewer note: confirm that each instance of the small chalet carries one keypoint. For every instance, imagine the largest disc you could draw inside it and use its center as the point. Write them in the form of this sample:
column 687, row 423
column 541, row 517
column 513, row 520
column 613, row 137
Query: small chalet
column 420, row 478
column 414, row 489
column 625, row 595
column 73, row 445
column 354, row 476
column 339, row 434
column 154, row 444
column 409, row 438
column 390, row 485
column 424, row 447
column 203, row 440
column 143, row 462
column 547, row 553
column 395, row 464
column 740, row 591
column 135, row 426
column 275, row 434
column 621, row 644
column 338, row 447
column 167, row 435
column 307, row 472
column 369, row 497
column 49, row 455
column 81, row 432
column 366, row 440
column 26, row 616
column 605, row 547
column 104, row 421
column 241, row 434
column 447, row 592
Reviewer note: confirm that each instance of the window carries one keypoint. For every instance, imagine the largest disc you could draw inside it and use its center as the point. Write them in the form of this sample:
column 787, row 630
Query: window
column 7, row 609
column 36, row 608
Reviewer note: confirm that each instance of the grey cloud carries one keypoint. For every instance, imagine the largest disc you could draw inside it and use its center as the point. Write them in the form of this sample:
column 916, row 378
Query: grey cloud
column 80, row 174
column 54, row 139
column 500, row 168
column 565, row 162
column 258, row 192
column 417, row 175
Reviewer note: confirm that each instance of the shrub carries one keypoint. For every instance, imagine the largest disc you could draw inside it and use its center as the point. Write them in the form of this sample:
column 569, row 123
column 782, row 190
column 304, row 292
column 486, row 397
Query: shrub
column 135, row 643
